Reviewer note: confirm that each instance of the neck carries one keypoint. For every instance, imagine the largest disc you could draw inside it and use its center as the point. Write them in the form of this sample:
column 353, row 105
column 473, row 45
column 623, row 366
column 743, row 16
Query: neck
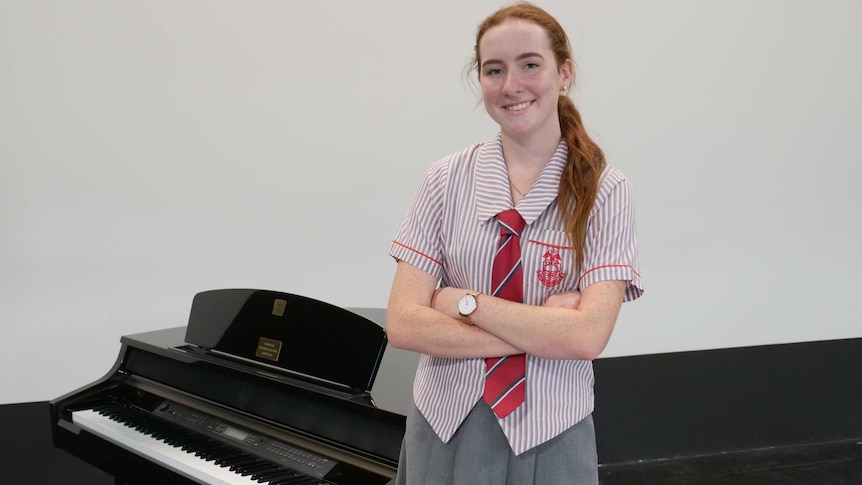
column 525, row 162
column 530, row 154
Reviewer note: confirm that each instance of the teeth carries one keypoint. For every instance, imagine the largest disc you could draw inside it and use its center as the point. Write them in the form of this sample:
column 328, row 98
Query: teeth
column 518, row 107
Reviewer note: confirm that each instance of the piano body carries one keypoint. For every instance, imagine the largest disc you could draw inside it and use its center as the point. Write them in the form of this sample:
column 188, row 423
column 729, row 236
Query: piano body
column 259, row 387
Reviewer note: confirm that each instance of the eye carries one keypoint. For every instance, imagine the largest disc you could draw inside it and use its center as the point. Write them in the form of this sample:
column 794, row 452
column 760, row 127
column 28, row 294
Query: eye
column 493, row 71
column 531, row 65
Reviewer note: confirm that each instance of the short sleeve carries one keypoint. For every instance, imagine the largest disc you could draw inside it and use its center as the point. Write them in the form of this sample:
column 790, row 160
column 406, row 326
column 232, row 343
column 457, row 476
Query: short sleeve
column 418, row 241
column 610, row 248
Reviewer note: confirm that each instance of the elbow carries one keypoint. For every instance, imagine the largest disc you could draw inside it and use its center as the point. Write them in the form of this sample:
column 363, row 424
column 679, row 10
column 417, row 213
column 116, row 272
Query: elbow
column 593, row 350
column 593, row 347
column 395, row 339
column 395, row 334
column 578, row 348
column 589, row 342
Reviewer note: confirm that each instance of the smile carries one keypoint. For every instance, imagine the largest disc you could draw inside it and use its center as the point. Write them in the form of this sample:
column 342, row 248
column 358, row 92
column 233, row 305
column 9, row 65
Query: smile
column 519, row 107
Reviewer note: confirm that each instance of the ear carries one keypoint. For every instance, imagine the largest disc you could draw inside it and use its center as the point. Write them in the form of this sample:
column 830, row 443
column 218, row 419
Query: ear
column 567, row 74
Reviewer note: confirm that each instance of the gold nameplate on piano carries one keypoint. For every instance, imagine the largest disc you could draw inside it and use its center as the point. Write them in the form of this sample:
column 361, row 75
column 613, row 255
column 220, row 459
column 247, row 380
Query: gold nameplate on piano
column 268, row 348
column 278, row 307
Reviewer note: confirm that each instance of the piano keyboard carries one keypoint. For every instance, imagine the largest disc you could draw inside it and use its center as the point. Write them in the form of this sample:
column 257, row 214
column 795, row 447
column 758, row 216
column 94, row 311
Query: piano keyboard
column 187, row 452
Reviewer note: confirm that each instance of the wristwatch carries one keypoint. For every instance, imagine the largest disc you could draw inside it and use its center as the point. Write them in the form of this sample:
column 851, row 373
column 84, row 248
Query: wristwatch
column 468, row 304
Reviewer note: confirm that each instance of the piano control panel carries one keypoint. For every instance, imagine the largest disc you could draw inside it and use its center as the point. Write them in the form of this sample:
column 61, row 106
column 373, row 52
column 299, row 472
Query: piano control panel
column 285, row 454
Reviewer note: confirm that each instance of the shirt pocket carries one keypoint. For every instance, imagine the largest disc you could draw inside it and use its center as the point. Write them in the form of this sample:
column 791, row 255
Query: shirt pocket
column 548, row 265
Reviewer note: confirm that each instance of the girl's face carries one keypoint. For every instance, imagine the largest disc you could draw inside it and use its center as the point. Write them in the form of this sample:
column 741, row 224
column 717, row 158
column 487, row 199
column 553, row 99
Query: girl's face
column 521, row 81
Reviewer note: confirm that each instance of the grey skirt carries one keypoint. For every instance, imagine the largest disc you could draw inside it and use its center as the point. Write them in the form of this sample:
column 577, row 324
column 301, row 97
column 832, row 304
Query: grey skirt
column 479, row 454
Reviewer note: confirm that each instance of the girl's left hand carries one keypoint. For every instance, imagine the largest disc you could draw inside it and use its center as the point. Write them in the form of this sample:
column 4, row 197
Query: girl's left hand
column 568, row 299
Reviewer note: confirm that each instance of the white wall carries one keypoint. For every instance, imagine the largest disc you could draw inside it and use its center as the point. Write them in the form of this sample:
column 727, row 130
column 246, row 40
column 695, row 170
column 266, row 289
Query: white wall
column 154, row 149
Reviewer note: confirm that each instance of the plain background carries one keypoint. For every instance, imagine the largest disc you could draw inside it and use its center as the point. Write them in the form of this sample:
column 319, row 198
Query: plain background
column 154, row 149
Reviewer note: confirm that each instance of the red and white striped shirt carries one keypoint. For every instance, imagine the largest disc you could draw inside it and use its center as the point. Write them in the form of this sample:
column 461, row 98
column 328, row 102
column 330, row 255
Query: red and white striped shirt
column 451, row 233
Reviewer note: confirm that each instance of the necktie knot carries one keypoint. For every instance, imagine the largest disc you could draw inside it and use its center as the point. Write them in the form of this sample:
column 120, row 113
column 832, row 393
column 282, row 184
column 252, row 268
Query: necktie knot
column 511, row 222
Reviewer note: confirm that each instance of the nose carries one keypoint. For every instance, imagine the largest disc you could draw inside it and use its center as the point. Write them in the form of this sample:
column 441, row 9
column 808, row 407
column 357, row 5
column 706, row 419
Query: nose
column 512, row 83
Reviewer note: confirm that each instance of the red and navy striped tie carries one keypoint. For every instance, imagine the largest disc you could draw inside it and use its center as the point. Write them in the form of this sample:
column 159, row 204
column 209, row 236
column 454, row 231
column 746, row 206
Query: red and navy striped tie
column 505, row 376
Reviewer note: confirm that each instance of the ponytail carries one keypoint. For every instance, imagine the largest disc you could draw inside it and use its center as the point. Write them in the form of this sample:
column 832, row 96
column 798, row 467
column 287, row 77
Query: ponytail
column 579, row 182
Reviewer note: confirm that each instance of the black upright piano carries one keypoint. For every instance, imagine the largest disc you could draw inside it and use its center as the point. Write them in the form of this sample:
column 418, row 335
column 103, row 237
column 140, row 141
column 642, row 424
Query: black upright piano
column 259, row 387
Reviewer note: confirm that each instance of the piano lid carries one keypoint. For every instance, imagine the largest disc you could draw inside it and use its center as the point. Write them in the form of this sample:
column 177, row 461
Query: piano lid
column 299, row 335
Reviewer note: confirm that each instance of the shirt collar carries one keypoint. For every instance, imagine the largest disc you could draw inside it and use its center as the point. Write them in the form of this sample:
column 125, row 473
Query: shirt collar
column 493, row 194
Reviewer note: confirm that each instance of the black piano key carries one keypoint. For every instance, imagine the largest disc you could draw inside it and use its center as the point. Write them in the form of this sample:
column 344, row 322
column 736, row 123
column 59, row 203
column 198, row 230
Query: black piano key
column 120, row 415
column 266, row 475
column 260, row 463
column 162, row 431
column 300, row 480
column 256, row 474
column 212, row 450
column 207, row 447
column 228, row 452
column 284, row 473
column 253, row 464
column 241, row 462
column 227, row 457
column 189, row 442
column 249, row 469
column 258, row 467
column 206, row 457
column 264, row 471
column 253, row 467
column 244, row 457
column 202, row 450
column 192, row 442
column 283, row 477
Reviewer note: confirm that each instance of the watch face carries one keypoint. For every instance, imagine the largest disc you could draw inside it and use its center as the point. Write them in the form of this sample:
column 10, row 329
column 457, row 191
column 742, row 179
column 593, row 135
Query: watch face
column 467, row 304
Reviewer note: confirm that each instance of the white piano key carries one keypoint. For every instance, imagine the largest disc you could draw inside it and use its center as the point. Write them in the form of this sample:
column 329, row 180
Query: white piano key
column 173, row 458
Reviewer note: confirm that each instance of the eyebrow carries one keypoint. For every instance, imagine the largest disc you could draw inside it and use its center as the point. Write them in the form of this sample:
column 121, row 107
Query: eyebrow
column 518, row 58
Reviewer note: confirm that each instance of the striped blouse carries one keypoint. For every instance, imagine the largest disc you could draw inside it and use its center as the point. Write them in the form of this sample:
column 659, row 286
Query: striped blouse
column 451, row 232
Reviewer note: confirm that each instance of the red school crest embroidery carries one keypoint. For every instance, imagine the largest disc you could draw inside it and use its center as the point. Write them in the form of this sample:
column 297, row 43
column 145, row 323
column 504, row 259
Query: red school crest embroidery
column 552, row 269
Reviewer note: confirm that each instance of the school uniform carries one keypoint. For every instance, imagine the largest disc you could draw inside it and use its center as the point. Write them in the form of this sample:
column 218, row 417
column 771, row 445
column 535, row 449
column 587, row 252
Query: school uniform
column 451, row 233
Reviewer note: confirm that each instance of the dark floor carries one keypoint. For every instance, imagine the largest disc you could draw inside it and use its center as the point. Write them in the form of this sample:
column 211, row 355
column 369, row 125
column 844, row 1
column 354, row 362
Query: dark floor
column 838, row 463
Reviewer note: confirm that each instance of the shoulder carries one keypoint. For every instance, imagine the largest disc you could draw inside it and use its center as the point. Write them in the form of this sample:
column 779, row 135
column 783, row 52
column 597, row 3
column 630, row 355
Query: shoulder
column 441, row 169
column 611, row 177
column 462, row 157
column 613, row 182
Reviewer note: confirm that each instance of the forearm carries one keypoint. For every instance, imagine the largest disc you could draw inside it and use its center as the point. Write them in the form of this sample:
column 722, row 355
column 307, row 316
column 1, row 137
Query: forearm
column 412, row 323
column 423, row 329
column 550, row 333
column 574, row 331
